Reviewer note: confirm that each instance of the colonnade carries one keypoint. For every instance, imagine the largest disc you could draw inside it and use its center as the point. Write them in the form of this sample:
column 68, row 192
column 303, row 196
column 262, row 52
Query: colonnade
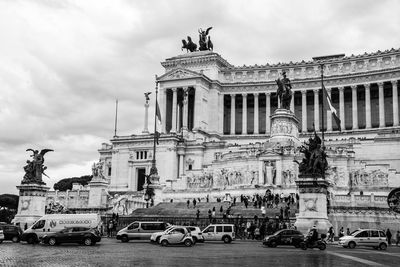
column 317, row 123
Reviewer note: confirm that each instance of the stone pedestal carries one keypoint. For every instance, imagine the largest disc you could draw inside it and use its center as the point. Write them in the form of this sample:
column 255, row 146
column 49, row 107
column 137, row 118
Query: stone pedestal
column 284, row 128
column 32, row 203
column 312, row 205
column 97, row 193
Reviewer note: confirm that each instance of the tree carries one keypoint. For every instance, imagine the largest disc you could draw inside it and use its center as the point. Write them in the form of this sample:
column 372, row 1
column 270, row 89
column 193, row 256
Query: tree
column 66, row 183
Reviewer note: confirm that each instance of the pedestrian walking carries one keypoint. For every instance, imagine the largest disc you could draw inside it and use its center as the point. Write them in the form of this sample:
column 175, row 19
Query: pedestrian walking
column 110, row 227
column 331, row 233
column 194, row 203
column 221, row 209
column 209, row 215
column 397, row 238
column 198, row 214
column 188, row 203
column 341, row 232
column 389, row 236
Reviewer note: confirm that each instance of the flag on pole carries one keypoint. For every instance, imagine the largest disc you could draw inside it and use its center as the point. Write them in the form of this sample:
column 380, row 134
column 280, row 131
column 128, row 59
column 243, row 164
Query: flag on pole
column 158, row 118
column 332, row 108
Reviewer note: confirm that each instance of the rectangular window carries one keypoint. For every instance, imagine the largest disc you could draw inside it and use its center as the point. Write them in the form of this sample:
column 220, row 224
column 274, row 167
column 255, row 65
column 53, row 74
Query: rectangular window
column 109, row 171
column 227, row 229
column 374, row 234
column 219, row 229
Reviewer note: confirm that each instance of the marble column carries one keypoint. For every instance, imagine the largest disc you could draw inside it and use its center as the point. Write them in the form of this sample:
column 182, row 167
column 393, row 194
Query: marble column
column 232, row 114
column 185, row 109
column 395, row 104
column 292, row 102
column 304, row 111
column 367, row 106
column 181, row 169
column 354, row 106
column 221, row 113
column 256, row 130
column 244, row 113
column 131, row 184
column 328, row 112
column 198, row 101
column 381, row 105
column 146, row 118
column 174, row 107
column 163, row 107
column 316, row 109
column 267, row 113
column 341, row 107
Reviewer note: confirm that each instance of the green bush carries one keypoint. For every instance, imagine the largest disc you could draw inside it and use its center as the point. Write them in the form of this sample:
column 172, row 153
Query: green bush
column 66, row 183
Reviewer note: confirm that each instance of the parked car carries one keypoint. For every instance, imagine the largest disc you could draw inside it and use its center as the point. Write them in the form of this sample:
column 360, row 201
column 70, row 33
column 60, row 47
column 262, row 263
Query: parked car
column 365, row 237
column 176, row 236
column 1, row 236
column 141, row 230
column 218, row 232
column 155, row 237
column 52, row 223
column 284, row 237
column 80, row 235
column 196, row 233
column 11, row 232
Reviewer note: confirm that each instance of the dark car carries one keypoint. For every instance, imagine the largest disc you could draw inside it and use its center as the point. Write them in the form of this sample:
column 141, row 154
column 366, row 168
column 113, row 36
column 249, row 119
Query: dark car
column 80, row 235
column 11, row 232
column 284, row 237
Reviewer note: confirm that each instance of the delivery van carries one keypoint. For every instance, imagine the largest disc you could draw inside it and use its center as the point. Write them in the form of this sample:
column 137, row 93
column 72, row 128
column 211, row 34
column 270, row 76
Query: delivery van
column 52, row 223
column 141, row 230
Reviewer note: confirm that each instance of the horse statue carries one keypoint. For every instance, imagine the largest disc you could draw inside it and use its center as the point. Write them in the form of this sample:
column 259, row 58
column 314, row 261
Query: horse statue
column 189, row 45
column 284, row 91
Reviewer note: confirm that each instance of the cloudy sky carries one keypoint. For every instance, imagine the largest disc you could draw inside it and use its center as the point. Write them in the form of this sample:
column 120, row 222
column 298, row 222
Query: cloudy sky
column 63, row 63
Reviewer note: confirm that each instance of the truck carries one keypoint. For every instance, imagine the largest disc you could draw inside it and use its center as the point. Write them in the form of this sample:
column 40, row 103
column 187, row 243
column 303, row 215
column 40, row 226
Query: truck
column 51, row 223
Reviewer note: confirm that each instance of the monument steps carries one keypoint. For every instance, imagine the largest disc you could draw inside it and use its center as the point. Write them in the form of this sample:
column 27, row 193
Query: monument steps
column 180, row 209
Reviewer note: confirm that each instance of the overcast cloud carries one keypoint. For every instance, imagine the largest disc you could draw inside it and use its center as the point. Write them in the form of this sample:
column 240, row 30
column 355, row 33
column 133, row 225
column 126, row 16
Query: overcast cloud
column 63, row 63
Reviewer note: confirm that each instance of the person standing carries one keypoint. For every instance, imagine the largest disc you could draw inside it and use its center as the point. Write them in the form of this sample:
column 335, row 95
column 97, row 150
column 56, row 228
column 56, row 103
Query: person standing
column 331, row 234
column 194, row 203
column 188, row 203
column 389, row 236
column 198, row 214
column 348, row 231
column 397, row 238
column 209, row 215
column 110, row 227
column 341, row 232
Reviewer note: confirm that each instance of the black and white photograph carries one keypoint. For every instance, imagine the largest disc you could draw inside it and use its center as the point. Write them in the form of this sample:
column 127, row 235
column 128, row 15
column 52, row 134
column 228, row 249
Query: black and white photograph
column 199, row 133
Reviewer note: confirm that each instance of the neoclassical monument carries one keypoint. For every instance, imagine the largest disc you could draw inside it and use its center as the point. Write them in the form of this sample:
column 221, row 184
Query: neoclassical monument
column 217, row 136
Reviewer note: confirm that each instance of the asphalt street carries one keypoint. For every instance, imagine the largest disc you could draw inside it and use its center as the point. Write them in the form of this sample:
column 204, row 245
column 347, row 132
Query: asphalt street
column 110, row 252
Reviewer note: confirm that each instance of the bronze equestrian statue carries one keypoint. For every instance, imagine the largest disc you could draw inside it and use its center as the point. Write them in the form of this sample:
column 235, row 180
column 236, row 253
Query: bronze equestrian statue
column 284, row 91
column 189, row 45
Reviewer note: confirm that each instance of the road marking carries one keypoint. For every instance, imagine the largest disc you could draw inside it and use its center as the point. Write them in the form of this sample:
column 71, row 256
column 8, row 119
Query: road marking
column 383, row 253
column 367, row 262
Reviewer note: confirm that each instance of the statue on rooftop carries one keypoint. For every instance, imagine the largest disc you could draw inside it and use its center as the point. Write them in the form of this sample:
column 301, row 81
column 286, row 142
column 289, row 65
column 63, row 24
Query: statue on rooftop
column 204, row 40
column 189, row 45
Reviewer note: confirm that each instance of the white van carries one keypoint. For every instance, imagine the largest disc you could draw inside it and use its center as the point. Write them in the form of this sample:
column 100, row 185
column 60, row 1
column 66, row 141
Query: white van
column 52, row 223
column 141, row 230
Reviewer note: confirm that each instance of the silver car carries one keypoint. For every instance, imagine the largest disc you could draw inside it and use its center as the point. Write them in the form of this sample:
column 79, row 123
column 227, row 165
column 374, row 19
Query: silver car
column 365, row 237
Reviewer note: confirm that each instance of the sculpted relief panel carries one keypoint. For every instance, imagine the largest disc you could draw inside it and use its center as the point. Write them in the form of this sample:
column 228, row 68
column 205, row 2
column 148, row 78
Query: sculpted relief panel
column 223, row 178
column 371, row 178
column 283, row 127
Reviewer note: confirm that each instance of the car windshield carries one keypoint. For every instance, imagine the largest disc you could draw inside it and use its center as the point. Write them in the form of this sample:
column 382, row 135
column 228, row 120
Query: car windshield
column 354, row 233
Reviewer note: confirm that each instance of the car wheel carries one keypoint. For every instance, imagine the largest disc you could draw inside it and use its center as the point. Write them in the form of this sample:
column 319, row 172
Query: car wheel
column 226, row 239
column 352, row 245
column 52, row 241
column 322, row 246
column 188, row 243
column 87, row 241
column 31, row 239
column 382, row 246
column 15, row 239
column 273, row 244
column 164, row 243
column 124, row 239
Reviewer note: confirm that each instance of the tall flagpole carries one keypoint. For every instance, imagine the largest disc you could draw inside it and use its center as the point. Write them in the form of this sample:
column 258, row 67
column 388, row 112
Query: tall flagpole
column 153, row 169
column 323, row 99
column 116, row 115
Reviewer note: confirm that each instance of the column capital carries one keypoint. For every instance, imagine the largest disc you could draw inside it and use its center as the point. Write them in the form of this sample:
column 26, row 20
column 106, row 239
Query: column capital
column 303, row 92
column 328, row 89
column 174, row 89
column 341, row 88
column 233, row 95
column 256, row 94
column 268, row 93
column 394, row 82
column 353, row 87
column 367, row 85
column 244, row 95
column 316, row 91
column 380, row 84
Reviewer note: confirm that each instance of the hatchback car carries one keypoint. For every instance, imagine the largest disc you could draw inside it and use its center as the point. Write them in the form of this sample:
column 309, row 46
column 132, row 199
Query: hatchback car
column 284, row 237
column 155, row 237
column 80, row 235
column 196, row 233
column 176, row 236
column 11, row 232
column 365, row 237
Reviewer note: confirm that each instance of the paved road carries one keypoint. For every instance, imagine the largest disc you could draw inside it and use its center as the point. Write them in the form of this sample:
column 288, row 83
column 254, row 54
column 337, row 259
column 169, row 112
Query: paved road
column 110, row 252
